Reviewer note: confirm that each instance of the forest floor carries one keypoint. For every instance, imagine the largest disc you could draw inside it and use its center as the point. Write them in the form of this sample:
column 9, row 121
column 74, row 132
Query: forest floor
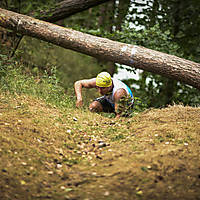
column 47, row 153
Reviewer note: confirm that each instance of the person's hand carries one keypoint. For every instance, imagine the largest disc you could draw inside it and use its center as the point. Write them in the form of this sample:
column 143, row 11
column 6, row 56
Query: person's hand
column 79, row 103
column 117, row 116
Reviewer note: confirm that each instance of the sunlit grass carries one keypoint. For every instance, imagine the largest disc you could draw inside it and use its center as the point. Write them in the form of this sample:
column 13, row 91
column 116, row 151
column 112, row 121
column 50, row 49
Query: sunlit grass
column 17, row 80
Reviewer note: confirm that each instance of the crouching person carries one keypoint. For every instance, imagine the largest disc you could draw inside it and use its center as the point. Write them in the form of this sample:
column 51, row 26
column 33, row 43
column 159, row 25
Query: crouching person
column 116, row 95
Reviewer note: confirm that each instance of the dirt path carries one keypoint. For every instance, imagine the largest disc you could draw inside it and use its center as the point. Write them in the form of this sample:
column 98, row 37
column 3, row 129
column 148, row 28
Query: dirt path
column 50, row 154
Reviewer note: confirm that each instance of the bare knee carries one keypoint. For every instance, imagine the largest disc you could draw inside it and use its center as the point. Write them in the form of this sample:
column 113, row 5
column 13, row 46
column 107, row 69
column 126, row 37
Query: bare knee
column 95, row 106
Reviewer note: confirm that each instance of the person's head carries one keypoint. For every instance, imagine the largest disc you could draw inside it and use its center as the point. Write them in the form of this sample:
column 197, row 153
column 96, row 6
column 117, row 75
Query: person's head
column 104, row 83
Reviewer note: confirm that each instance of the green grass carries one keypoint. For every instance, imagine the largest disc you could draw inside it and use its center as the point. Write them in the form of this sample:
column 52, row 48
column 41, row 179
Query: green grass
column 17, row 80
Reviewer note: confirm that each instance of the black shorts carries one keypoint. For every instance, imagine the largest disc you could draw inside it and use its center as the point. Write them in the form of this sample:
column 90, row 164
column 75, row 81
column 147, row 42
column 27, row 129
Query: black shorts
column 107, row 106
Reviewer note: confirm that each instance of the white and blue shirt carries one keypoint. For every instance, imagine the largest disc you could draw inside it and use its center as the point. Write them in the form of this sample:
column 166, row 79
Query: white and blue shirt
column 117, row 84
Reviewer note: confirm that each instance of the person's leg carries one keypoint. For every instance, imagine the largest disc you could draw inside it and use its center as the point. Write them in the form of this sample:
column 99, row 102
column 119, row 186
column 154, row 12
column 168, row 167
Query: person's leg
column 96, row 106
column 101, row 104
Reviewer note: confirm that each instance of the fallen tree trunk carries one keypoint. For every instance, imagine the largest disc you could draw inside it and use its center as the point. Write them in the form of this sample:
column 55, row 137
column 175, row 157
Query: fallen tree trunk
column 136, row 56
column 60, row 11
column 67, row 8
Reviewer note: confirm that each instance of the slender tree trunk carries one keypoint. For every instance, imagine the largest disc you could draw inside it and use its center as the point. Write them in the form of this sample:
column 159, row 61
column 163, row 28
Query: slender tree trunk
column 110, row 20
column 106, row 18
column 67, row 8
column 154, row 13
column 136, row 56
column 106, row 22
column 122, row 12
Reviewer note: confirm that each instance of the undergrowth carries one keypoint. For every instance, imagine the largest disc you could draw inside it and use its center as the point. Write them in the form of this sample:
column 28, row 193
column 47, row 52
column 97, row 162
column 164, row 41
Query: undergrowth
column 15, row 78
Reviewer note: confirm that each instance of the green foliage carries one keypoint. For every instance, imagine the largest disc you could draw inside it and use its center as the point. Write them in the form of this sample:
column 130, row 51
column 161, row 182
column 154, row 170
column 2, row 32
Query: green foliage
column 16, row 79
column 127, row 109
column 34, row 8
column 139, row 105
column 71, row 65
column 181, row 18
column 156, row 90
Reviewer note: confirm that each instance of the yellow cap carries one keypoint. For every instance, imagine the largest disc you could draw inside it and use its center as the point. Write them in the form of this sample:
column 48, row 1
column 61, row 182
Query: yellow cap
column 103, row 80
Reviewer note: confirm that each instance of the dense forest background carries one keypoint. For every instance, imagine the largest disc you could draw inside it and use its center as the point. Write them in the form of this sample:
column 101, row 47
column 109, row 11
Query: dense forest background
column 171, row 26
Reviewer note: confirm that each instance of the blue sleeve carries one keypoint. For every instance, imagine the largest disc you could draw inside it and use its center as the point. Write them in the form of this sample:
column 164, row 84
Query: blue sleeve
column 129, row 90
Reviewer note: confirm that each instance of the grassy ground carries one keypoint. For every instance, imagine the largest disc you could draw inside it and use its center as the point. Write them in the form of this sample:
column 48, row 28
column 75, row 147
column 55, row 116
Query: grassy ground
column 51, row 153
column 50, row 150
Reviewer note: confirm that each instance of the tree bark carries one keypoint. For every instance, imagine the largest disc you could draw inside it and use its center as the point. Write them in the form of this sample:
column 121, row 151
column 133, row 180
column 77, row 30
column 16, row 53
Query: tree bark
column 122, row 12
column 67, row 8
column 61, row 10
column 106, row 22
column 136, row 56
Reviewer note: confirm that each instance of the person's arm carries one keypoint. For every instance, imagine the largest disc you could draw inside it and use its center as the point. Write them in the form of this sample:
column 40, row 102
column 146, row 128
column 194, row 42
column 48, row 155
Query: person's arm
column 119, row 99
column 78, row 85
